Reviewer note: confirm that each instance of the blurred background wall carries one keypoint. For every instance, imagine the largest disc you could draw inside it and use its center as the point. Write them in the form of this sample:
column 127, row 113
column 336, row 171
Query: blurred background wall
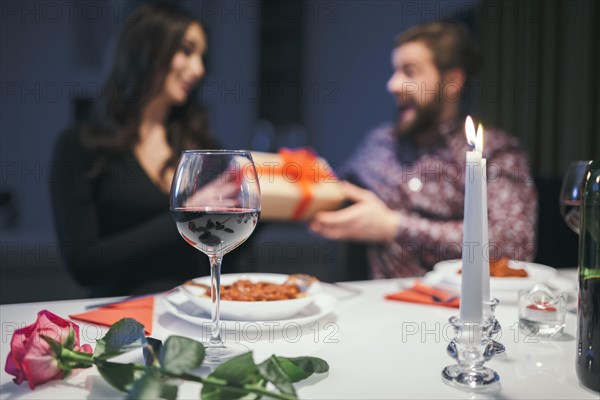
column 289, row 73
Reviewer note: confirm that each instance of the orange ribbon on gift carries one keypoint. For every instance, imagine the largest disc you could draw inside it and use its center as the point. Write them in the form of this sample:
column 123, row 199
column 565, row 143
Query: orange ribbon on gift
column 299, row 166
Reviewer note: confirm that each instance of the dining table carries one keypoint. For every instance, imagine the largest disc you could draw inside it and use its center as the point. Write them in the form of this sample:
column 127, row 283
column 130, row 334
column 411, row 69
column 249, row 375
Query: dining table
column 376, row 349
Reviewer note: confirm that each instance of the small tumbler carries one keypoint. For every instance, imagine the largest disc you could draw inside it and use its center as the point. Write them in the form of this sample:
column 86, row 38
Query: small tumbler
column 542, row 311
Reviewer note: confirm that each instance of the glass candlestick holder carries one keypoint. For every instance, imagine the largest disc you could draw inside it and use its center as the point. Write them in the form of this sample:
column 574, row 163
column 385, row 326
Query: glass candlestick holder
column 471, row 348
column 489, row 314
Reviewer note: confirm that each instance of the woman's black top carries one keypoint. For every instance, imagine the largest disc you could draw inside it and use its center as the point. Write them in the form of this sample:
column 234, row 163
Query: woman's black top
column 114, row 226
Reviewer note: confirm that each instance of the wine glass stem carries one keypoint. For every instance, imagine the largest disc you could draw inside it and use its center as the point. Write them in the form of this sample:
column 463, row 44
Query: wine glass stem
column 215, row 283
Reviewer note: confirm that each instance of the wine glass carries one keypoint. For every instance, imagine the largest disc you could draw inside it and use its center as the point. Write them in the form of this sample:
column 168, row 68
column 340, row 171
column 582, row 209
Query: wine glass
column 215, row 203
column 570, row 193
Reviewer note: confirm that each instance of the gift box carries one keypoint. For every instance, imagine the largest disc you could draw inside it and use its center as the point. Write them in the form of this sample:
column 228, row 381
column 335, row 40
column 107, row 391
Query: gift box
column 295, row 184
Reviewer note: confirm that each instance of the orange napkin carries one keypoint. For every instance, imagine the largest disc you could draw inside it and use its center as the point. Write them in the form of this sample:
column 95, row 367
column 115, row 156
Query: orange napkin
column 424, row 294
column 142, row 310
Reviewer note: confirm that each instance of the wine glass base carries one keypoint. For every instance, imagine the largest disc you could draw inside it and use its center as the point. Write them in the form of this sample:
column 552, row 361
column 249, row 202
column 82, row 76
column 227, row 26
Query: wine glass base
column 219, row 353
column 483, row 379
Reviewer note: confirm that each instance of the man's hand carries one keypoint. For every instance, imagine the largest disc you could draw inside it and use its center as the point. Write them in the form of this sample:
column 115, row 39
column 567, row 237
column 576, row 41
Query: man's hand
column 369, row 219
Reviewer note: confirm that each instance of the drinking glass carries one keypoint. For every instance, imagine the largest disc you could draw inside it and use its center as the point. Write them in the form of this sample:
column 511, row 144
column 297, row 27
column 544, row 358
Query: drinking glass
column 542, row 311
column 215, row 203
column 570, row 193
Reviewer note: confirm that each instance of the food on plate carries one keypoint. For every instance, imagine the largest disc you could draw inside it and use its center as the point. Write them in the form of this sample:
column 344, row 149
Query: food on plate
column 246, row 290
column 500, row 269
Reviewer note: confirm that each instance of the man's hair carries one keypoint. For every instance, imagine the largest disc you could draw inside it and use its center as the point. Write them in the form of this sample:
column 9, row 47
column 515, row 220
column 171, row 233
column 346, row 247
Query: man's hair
column 450, row 43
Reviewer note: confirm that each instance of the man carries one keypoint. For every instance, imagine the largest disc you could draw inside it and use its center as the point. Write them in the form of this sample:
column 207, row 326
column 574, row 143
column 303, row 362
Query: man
column 409, row 210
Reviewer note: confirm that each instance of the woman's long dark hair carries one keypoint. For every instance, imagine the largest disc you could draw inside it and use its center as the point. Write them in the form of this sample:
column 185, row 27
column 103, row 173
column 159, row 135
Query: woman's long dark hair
column 150, row 38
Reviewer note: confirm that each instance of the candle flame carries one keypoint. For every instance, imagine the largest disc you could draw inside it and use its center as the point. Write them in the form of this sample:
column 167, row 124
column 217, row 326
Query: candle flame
column 470, row 131
column 479, row 139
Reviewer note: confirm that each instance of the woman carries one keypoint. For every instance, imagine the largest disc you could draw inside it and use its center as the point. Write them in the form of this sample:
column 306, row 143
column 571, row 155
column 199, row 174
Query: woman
column 111, row 204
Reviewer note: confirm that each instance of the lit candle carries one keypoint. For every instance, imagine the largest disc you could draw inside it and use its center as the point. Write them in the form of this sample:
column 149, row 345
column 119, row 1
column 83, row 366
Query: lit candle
column 471, row 290
column 484, row 210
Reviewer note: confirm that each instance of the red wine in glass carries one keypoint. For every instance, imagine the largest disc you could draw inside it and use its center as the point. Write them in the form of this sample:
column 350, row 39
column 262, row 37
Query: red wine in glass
column 570, row 212
column 570, row 193
column 215, row 231
column 215, row 204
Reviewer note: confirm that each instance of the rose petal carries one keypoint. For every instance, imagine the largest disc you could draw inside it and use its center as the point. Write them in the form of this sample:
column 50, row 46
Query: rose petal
column 86, row 348
column 41, row 370
column 40, row 364
column 13, row 369
column 18, row 345
column 52, row 326
column 31, row 358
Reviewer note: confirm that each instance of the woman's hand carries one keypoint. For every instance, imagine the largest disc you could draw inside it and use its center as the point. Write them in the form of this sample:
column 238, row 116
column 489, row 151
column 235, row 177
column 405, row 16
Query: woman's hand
column 369, row 219
column 223, row 191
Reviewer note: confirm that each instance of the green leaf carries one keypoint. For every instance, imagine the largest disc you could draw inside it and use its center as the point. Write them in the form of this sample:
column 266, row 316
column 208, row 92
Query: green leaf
column 151, row 350
column 220, row 393
column 299, row 368
column 68, row 366
column 272, row 370
column 120, row 376
column 55, row 346
column 180, row 354
column 67, row 359
column 75, row 359
column 150, row 386
column 237, row 372
column 123, row 336
column 71, row 338
column 230, row 393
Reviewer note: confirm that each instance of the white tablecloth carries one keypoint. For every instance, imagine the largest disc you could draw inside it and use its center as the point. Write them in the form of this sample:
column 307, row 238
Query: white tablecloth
column 375, row 348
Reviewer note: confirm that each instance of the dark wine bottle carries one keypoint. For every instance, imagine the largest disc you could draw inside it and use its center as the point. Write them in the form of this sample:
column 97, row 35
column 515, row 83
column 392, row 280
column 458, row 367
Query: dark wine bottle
column 588, row 314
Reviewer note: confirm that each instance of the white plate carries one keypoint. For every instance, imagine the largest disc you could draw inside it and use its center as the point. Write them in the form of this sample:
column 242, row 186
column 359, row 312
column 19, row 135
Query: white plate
column 179, row 305
column 445, row 276
column 250, row 310
column 537, row 273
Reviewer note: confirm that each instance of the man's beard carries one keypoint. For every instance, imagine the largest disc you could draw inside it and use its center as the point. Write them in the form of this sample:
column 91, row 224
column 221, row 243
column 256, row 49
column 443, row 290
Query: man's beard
column 426, row 119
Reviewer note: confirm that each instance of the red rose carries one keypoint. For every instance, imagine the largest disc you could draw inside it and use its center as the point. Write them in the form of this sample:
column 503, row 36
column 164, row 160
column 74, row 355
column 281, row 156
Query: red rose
column 32, row 359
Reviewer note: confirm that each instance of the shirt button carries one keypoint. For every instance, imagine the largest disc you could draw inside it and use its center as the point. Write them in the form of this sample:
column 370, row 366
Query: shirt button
column 415, row 184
